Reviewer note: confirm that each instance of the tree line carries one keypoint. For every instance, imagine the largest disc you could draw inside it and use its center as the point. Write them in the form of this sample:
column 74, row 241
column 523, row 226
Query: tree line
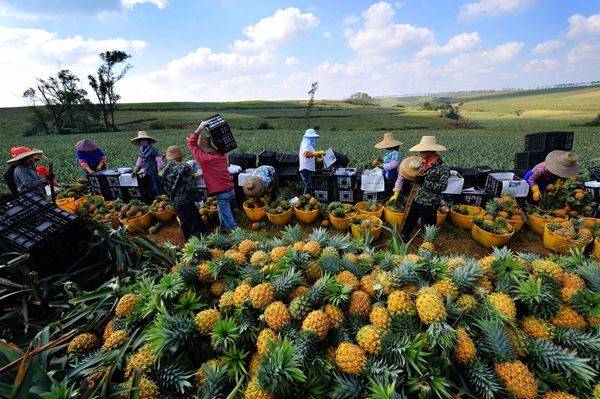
column 61, row 106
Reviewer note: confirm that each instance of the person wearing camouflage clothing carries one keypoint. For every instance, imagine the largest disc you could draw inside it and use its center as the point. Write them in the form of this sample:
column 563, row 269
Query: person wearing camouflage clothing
column 178, row 182
column 431, row 180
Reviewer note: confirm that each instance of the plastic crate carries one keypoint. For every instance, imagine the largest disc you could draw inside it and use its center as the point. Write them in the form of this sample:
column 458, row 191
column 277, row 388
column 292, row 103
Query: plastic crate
column 243, row 160
column 500, row 183
column 117, row 193
column 346, row 178
column 341, row 160
column 324, row 196
column 17, row 209
column 527, row 160
column 593, row 189
column 379, row 196
column 323, row 179
column 549, row 141
column 268, row 158
column 475, row 197
column 594, row 172
column 347, row 196
column 111, row 176
column 220, row 134
column 289, row 171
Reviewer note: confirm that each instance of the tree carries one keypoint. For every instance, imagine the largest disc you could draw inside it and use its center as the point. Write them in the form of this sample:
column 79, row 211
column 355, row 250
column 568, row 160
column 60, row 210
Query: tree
column 360, row 98
column 104, row 84
column 311, row 102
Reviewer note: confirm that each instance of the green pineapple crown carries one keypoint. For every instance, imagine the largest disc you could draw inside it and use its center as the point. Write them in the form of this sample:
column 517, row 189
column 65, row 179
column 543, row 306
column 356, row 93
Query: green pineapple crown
column 541, row 296
column 320, row 236
column 196, row 250
column 292, row 234
column 218, row 240
column 430, row 232
column 280, row 371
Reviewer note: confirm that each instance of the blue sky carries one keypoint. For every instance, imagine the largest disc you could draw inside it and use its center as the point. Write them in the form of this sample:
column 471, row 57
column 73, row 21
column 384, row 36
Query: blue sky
column 192, row 50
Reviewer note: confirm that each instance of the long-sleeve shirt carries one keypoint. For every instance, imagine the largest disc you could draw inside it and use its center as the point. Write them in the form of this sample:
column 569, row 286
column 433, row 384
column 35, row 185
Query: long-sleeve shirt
column 391, row 160
column 91, row 158
column 214, row 167
column 27, row 179
column 178, row 182
column 435, row 181
column 537, row 173
column 149, row 159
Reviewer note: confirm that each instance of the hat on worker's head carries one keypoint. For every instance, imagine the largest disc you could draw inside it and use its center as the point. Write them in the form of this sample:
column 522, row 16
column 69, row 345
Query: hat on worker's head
column 254, row 187
column 410, row 167
column 563, row 163
column 428, row 143
column 86, row 145
column 19, row 153
column 174, row 153
column 143, row 135
column 309, row 133
column 388, row 142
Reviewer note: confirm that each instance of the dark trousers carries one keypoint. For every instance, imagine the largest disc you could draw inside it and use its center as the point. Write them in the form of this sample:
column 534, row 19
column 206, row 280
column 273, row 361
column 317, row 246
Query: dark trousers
column 427, row 214
column 189, row 218
column 307, row 176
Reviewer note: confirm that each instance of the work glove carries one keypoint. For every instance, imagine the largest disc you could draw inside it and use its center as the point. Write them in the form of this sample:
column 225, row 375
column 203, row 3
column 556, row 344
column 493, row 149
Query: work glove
column 89, row 170
column 100, row 166
column 203, row 125
column 196, row 176
column 536, row 194
column 136, row 170
column 419, row 179
column 319, row 153
column 376, row 164
column 395, row 196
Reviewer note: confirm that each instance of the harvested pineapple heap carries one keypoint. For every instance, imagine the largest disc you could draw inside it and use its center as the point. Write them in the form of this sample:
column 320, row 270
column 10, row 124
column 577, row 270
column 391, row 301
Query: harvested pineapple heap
column 321, row 316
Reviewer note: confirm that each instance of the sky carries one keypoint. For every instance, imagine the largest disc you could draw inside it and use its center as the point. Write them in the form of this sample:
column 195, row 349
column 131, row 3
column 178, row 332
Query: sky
column 221, row 50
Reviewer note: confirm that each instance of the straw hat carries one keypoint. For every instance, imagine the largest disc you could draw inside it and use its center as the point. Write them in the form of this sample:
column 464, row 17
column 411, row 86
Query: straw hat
column 563, row 163
column 174, row 152
column 388, row 142
column 86, row 145
column 19, row 153
column 428, row 143
column 253, row 187
column 410, row 167
column 311, row 133
column 143, row 135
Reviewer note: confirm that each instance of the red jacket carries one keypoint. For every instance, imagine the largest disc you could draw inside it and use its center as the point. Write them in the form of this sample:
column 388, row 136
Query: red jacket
column 214, row 167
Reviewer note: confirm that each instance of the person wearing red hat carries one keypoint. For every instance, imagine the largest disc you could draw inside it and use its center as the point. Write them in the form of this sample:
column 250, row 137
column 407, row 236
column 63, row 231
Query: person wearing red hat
column 24, row 175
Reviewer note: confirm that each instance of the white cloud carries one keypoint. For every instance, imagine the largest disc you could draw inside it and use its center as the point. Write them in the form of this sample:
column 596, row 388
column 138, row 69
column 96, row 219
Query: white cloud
column 58, row 9
column 584, row 52
column 351, row 19
column 582, row 26
column 483, row 62
column 158, row 3
column 542, row 65
column 327, row 35
column 462, row 42
column 271, row 32
column 493, row 8
column 291, row 61
column 548, row 47
column 380, row 37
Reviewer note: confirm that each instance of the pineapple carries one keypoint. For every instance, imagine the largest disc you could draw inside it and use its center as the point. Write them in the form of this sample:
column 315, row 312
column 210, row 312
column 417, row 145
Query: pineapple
column 330, row 251
column 147, row 389
column 226, row 300
column 126, row 305
column 298, row 291
column 350, row 257
column 445, row 288
column 300, row 307
column 261, row 295
column 247, row 247
column 292, row 234
column 206, row 320
column 430, row 306
column 571, row 284
column 400, row 302
column 465, row 349
column 380, row 317
column 108, row 329
column 255, row 364
column 367, row 283
column 347, row 278
column 540, row 266
column 277, row 315
column 241, row 294
column 517, row 379
column 238, row 257
column 360, row 303
column 203, row 274
column 298, row 246
column 593, row 321
column 278, row 253
column 536, row 327
column 217, row 288
column 313, row 248
column 429, row 235
column 317, row 322
column 335, row 315
column 264, row 338
column 455, row 262
column 365, row 258
column 486, row 264
column 114, row 340
column 320, row 236
column 201, row 372
column 504, row 304
column 312, row 271
column 466, row 302
column 216, row 253
column 330, row 354
column 254, row 391
column 259, row 259
column 142, row 361
column 569, row 318
column 83, row 343
column 369, row 339
column 350, row 358
column 558, row 395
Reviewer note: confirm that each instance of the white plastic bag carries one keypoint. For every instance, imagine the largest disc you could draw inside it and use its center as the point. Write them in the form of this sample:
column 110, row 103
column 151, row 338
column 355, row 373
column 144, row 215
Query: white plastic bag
column 372, row 180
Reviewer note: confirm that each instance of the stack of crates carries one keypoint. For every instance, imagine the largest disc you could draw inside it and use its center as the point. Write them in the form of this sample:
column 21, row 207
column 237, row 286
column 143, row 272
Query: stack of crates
column 537, row 146
column 268, row 158
column 346, row 180
column 288, row 165
column 323, row 182
column 243, row 160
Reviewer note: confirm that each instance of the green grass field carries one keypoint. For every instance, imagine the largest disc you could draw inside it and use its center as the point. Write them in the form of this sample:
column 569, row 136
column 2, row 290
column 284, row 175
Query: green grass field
column 352, row 130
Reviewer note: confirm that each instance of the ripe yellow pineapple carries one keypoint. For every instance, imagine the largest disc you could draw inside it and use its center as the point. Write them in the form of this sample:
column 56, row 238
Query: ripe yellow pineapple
column 238, row 257
column 350, row 257
column 330, row 251
column 558, row 395
column 261, row 295
column 430, row 306
column 241, row 294
column 567, row 317
column 126, row 305
column 485, row 285
column 445, row 288
column 147, row 389
column 536, row 327
column 203, row 274
column 335, row 315
column 317, row 322
column 226, row 300
column 255, row 363
column 365, row 257
column 83, row 343
column 264, row 338
column 360, row 303
column 299, row 245
column 277, row 315
column 115, row 339
column 201, row 372
column 542, row 266
column 312, row 271
column 455, row 262
column 466, row 301
column 217, row 288
column 259, row 258
column 313, row 248
column 369, row 338
column 401, row 302
column 278, row 253
column 517, row 379
column 383, row 282
column 570, row 284
column 347, row 278
column 298, row 291
column 465, row 349
column 503, row 304
column 486, row 263
column 217, row 253
column 596, row 393
column 428, row 237
column 330, row 354
column 108, row 329
column 350, row 358
column 412, row 258
column 253, row 391
column 367, row 283
column 247, row 247
column 206, row 320
column 141, row 361
column 380, row 317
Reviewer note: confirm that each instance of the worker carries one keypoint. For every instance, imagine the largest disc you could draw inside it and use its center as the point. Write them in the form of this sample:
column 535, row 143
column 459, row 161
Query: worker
column 179, row 184
column 262, row 183
column 25, row 175
column 149, row 160
column 90, row 157
column 215, row 173
column 430, row 181
column 558, row 164
column 391, row 158
column 307, row 156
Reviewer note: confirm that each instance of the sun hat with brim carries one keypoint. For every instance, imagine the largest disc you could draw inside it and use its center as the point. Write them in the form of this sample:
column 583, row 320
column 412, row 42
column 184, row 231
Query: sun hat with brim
column 19, row 153
column 86, row 145
column 428, row 143
column 388, row 142
column 174, row 152
column 410, row 167
column 253, row 187
column 311, row 133
column 563, row 163
column 143, row 135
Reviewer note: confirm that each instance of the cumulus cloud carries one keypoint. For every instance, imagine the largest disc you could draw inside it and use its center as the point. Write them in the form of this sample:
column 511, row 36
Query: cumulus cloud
column 271, row 32
column 542, row 65
column 581, row 26
column 351, row 19
column 549, row 46
column 158, row 3
column 493, row 8
column 56, row 9
column 584, row 52
column 462, row 42
column 484, row 62
column 327, row 35
column 291, row 61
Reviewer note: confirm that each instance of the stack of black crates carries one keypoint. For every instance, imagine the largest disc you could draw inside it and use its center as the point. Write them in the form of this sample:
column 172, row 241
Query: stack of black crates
column 537, row 146
column 346, row 182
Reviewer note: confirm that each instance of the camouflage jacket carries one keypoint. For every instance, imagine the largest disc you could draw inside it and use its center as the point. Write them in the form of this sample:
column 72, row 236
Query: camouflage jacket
column 436, row 181
column 178, row 182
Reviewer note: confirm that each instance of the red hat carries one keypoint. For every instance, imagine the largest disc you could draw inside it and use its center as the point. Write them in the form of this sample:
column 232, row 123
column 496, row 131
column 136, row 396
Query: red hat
column 19, row 153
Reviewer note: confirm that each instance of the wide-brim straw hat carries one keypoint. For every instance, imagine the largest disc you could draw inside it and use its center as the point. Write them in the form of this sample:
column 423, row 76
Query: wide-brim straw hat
column 174, row 152
column 410, row 167
column 563, row 163
column 143, row 135
column 253, row 187
column 428, row 143
column 86, row 145
column 311, row 133
column 19, row 153
column 388, row 142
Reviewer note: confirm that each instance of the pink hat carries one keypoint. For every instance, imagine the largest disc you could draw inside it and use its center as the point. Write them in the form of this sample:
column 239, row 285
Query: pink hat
column 86, row 145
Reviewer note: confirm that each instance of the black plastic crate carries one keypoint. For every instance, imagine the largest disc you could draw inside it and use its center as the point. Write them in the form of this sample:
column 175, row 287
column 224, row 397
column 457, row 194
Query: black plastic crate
column 104, row 192
column 346, row 178
column 268, row 158
column 474, row 176
column 323, row 179
column 288, row 159
column 243, row 160
column 347, row 196
column 98, row 181
column 220, row 134
column 549, row 141
column 17, row 209
column 594, row 172
column 117, row 193
column 478, row 197
column 367, row 196
column 528, row 159
column 111, row 176
column 341, row 160
column 289, row 171
column 594, row 192
column 324, row 196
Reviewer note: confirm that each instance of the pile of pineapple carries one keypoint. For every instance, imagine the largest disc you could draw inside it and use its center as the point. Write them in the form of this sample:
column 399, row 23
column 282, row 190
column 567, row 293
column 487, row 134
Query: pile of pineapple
column 567, row 198
column 161, row 204
column 329, row 317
